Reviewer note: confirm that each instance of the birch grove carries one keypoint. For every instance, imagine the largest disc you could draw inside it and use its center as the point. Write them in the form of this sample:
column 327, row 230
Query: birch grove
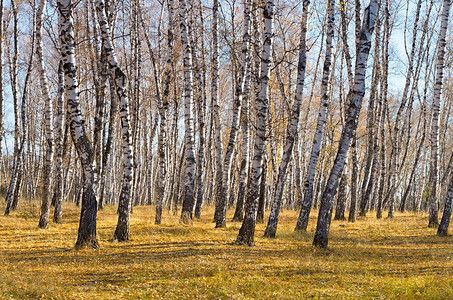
column 227, row 110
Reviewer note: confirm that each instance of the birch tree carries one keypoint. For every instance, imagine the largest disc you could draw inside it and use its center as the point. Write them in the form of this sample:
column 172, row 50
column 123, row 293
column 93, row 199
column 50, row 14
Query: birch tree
column 307, row 203
column 122, row 231
column 355, row 96
column 247, row 231
column 221, row 203
column 443, row 228
column 87, row 226
column 434, row 159
column 48, row 120
column 189, row 154
column 292, row 128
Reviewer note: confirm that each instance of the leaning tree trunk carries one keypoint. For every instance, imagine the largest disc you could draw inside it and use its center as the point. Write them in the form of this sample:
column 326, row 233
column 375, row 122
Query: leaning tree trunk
column 189, row 155
column 122, row 232
column 48, row 115
column 302, row 221
column 247, row 230
column 434, row 168
column 292, row 129
column 88, row 217
column 356, row 97
column 442, row 230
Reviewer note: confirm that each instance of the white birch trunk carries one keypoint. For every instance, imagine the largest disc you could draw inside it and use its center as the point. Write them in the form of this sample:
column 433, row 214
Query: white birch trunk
column 355, row 104
column 433, row 203
column 247, row 231
column 48, row 120
column 122, row 232
column 163, row 108
column 307, row 203
column 292, row 129
column 221, row 203
column 87, row 226
column 189, row 155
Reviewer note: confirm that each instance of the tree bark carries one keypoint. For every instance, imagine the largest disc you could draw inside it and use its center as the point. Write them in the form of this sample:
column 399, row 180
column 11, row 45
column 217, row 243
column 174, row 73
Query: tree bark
column 87, row 225
column 48, row 120
column 247, row 231
column 302, row 221
column 356, row 97
column 292, row 129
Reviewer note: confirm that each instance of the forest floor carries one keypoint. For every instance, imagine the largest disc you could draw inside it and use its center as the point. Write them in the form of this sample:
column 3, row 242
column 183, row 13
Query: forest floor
column 396, row 258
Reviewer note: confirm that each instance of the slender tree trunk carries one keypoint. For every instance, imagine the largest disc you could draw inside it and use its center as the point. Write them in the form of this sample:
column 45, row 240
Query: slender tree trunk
column 221, row 203
column 302, row 221
column 239, row 211
column 16, row 155
column 356, row 97
column 434, row 160
column 433, row 205
column 247, row 231
column 292, row 129
column 122, row 232
column 352, row 217
column 189, row 155
column 59, row 183
column 48, row 157
column 162, row 139
column 87, row 226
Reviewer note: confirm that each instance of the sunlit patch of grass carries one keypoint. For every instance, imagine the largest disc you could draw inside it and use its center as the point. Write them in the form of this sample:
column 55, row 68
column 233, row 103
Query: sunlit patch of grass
column 396, row 258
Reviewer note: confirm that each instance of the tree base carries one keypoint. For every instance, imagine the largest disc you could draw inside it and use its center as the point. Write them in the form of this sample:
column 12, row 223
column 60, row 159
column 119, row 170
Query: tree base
column 87, row 244
column 186, row 218
column 270, row 232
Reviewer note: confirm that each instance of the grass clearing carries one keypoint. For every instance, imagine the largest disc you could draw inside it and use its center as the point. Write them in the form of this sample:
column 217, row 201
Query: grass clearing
column 376, row 259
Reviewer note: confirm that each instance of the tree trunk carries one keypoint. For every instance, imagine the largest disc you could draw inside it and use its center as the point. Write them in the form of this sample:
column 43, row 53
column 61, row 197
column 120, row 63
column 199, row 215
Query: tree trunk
column 87, row 226
column 434, row 168
column 302, row 221
column 247, row 230
column 442, row 230
column 48, row 157
column 189, row 155
column 292, row 129
column 221, row 203
column 355, row 97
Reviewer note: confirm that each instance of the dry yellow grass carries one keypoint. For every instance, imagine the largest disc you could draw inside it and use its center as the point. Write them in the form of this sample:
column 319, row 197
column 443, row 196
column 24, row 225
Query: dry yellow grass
column 385, row 259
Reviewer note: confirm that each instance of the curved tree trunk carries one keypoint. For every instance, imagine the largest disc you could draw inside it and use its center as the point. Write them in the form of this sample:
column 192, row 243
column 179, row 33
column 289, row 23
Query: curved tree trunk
column 88, row 217
column 122, row 232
